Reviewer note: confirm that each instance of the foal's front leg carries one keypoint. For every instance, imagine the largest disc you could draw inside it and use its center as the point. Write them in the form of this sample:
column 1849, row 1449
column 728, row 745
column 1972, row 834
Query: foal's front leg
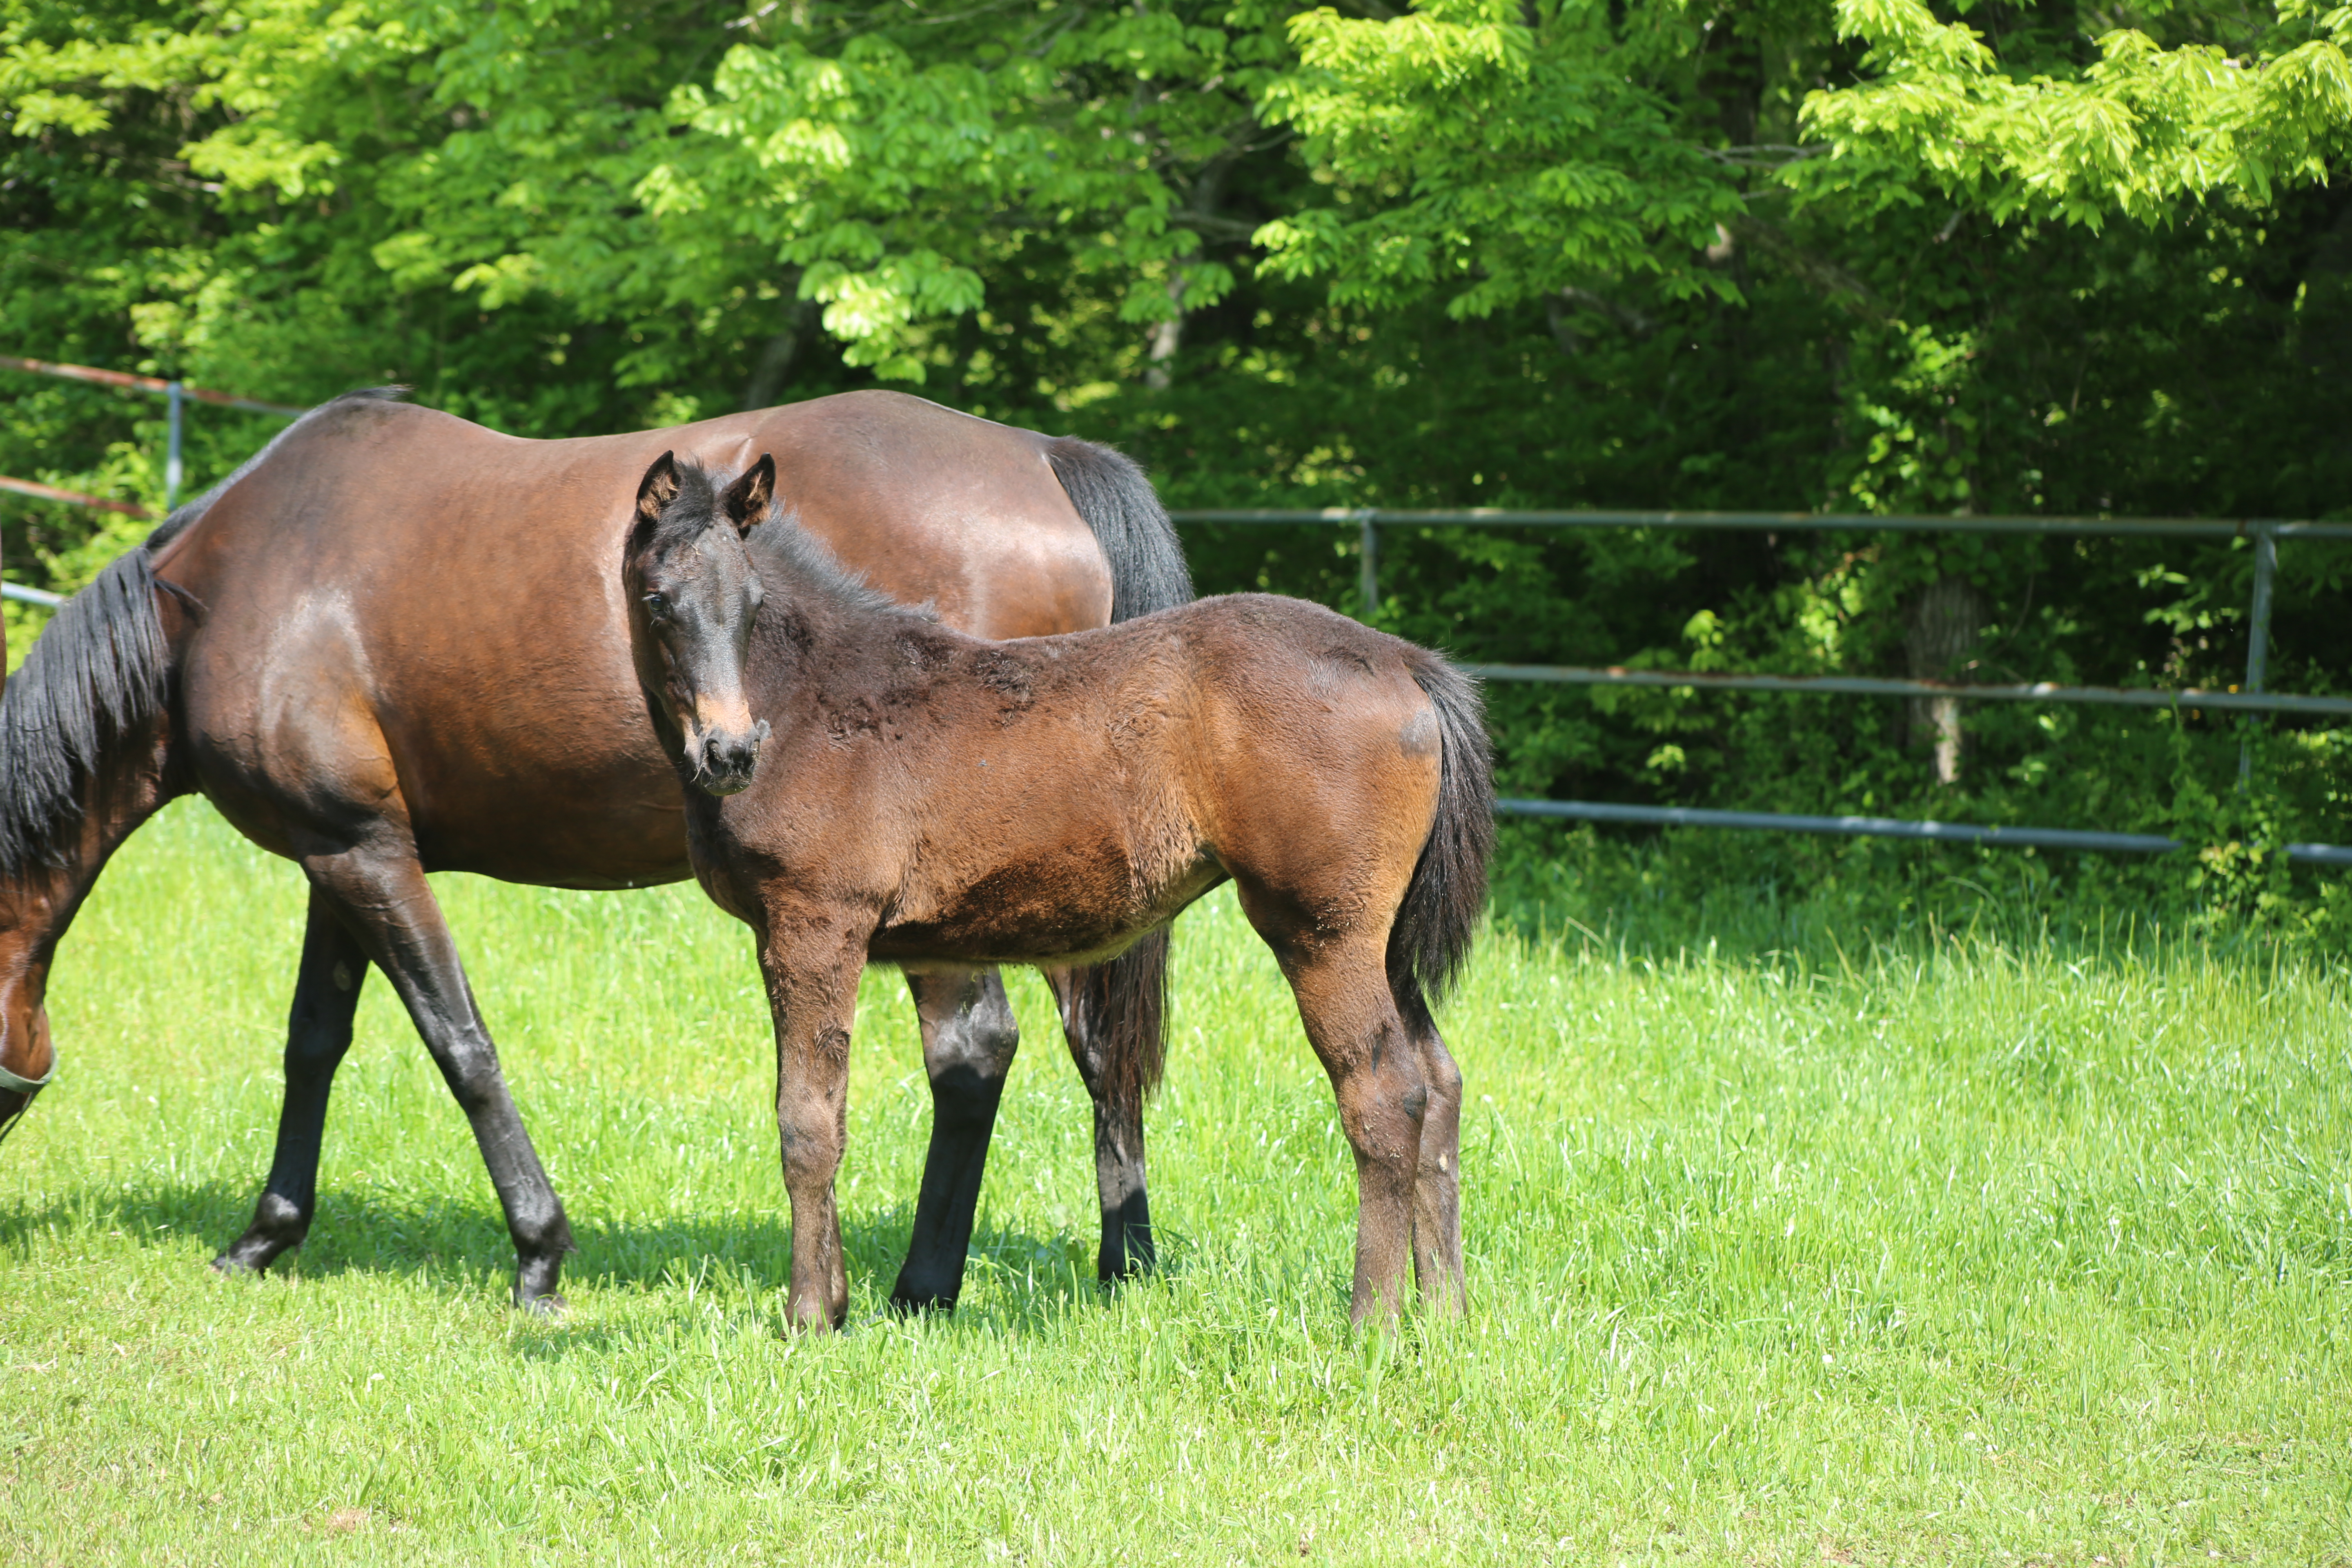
column 812, row 964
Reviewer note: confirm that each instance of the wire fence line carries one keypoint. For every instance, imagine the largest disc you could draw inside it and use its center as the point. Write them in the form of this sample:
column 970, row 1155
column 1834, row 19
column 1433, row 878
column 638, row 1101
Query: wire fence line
column 176, row 394
column 2190, row 697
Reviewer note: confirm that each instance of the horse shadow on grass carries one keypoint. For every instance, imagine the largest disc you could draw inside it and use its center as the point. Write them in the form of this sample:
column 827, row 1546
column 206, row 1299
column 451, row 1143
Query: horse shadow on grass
column 458, row 1247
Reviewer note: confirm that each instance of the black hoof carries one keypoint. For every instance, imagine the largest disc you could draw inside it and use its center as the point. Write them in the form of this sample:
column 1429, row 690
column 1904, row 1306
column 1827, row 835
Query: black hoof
column 919, row 1306
column 251, row 1254
column 551, row 1308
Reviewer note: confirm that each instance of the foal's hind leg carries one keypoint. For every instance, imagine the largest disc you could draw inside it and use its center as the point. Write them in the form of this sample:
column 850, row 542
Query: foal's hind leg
column 969, row 1039
column 381, row 895
column 1384, row 1094
column 1127, row 1248
column 317, row 1033
column 1438, row 1182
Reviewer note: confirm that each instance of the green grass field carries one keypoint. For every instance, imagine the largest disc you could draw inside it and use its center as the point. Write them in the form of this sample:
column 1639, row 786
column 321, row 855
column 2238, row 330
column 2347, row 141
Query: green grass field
column 1961, row 1253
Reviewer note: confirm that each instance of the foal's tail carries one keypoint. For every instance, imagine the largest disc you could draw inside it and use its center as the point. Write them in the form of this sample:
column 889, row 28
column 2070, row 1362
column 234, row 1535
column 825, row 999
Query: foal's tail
column 1435, row 925
column 1121, row 1007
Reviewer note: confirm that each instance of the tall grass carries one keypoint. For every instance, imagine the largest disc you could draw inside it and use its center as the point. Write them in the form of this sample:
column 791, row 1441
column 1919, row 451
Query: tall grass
column 1955, row 1250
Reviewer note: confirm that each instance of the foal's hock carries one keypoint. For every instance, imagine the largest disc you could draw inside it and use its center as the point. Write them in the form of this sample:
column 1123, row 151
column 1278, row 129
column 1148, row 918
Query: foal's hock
column 911, row 794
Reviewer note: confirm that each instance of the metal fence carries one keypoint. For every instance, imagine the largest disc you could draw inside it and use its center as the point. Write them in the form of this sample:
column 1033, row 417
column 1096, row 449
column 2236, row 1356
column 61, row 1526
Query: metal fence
column 2264, row 533
column 176, row 394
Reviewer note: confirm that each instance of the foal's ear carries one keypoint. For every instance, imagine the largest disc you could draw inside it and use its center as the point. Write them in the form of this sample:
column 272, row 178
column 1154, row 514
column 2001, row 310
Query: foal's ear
column 747, row 500
column 658, row 488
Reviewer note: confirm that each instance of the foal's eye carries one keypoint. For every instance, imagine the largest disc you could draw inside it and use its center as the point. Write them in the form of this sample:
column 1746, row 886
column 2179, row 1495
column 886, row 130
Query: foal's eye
column 657, row 604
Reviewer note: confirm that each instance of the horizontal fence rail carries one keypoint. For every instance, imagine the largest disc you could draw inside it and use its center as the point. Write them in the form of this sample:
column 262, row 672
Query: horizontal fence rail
column 35, row 488
column 1870, row 686
column 1782, row 521
column 155, row 386
column 175, row 395
column 1884, row 827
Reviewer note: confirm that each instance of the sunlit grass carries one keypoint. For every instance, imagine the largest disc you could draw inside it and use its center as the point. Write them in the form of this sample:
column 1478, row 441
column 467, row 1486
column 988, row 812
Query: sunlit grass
column 1963, row 1254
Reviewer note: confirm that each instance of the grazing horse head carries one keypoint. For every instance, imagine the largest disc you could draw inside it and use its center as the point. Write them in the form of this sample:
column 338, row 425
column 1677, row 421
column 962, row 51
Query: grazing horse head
column 691, row 594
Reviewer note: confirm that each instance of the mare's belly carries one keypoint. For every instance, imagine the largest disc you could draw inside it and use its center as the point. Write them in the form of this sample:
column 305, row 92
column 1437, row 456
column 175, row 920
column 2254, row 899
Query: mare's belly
column 608, row 821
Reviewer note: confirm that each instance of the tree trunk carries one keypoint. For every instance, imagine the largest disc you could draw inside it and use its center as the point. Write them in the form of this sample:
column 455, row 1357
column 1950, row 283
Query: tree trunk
column 1939, row 626
column 1165, row 336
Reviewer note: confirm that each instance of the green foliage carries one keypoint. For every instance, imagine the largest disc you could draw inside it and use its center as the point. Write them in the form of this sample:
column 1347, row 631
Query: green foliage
column 1491, row 162
column 2141, row 130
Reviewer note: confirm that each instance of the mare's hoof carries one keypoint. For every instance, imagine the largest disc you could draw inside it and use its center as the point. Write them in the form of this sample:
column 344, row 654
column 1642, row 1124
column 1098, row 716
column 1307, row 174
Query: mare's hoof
column 551, row 1308
column 229, row 1265
column 920, row 1306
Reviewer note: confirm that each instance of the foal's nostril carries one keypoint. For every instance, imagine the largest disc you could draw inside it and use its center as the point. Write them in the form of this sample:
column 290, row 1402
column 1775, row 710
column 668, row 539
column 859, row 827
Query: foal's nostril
column 727, row 760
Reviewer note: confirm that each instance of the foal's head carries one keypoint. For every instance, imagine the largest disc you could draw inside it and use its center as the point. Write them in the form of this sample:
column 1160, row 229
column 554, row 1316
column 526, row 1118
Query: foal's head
column 691, row 594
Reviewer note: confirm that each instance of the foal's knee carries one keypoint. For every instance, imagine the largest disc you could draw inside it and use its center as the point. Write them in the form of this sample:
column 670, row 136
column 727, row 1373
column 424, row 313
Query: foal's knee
column 1444, row 1077
column 812, row 1138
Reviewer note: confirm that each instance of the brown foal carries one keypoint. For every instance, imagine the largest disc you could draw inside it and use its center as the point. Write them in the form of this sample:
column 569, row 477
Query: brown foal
column 878, row 787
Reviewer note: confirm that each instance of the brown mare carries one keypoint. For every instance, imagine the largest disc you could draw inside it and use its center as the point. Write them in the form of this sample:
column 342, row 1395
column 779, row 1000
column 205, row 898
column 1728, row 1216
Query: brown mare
column 396, row 642
column 896, row 791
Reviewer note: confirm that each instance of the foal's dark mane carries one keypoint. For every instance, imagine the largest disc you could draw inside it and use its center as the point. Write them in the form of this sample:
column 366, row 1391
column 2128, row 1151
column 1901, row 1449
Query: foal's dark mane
column 786, row 554
column 98, row 673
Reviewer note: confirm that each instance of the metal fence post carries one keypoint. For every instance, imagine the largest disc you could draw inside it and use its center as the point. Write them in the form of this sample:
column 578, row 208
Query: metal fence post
column 1367, row 520
column 2258, row 634
column 175, row 395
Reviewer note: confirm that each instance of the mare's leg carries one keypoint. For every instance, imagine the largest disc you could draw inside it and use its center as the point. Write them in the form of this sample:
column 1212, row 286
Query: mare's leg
column 811, row 961
column 969, row 1039
column 383, row 897
column 317, row 1033
column 1437, row 1184
column 1127, row 1245
column 1383, row 1092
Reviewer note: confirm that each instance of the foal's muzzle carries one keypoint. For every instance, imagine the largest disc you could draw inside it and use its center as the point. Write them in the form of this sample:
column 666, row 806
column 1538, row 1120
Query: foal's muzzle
column 723, row 762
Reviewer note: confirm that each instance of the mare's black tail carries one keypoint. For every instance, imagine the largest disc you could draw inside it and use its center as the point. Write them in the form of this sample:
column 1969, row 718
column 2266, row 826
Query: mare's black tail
column 1439, row 916
column 1147, row 564
column 98, row 676
column 1122, row 1005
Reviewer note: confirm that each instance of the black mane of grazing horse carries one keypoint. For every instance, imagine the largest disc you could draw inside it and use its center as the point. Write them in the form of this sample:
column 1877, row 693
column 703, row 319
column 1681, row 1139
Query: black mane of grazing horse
column 99, row 671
